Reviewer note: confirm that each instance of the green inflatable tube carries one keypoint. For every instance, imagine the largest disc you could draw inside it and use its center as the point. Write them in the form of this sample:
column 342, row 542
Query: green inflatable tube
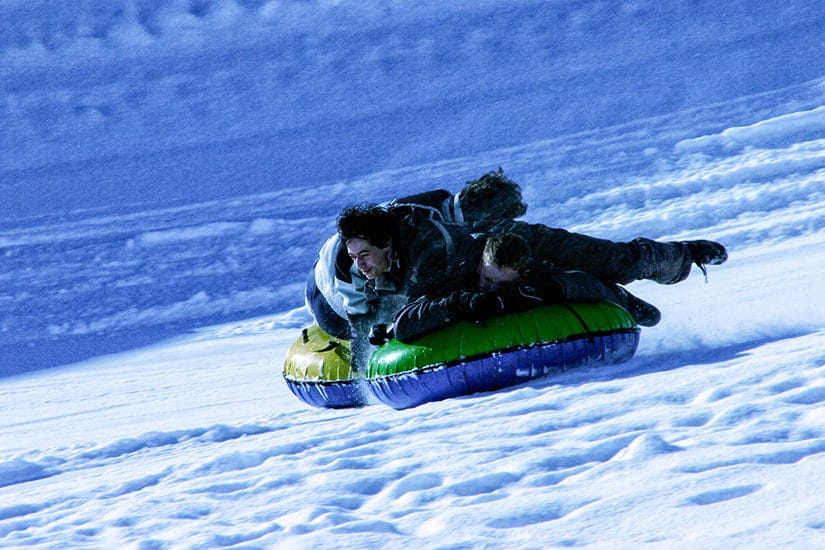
column 470, row 357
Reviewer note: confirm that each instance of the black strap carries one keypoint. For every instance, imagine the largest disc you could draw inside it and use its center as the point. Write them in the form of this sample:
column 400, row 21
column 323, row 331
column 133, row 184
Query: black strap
column 580, row 318
column 448, row 239
column 432, row 212
column 331, row 346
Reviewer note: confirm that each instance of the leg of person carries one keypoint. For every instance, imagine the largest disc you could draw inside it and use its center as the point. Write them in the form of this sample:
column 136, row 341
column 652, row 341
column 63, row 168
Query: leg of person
column 670, row 262
column 646, row 315
column 329, row 321
column 663, row 262
column 618, row 262
column 578, row 286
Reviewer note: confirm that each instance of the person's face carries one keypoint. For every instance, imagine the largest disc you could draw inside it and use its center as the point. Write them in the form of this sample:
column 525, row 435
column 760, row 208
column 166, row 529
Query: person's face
column 370, row 260
column 491, row 275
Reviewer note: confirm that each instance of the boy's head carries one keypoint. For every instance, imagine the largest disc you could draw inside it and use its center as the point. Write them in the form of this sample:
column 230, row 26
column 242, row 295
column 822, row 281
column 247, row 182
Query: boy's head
column 491, row 198
column 505, row 259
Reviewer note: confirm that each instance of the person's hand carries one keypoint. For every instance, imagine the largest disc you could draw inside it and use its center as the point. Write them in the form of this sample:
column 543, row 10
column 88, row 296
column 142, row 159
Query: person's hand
column 484, row 305
column 380, row 334
column 474, row 306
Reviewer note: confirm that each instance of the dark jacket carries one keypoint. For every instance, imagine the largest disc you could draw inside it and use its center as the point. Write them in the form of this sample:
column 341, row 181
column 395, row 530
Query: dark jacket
column 426, row 314
column 429, row 256
column 336, row 290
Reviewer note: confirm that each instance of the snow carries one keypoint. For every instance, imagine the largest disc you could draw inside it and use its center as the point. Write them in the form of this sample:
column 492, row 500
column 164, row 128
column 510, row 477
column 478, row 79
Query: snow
column 169, row 170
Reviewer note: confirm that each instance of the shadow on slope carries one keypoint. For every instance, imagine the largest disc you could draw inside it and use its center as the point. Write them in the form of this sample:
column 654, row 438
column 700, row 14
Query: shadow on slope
column 669, row 360
column 28, row 356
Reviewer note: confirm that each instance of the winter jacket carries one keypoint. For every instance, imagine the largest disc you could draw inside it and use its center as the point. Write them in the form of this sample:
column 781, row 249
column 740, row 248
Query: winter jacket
column 428, row 314
column 337, row 288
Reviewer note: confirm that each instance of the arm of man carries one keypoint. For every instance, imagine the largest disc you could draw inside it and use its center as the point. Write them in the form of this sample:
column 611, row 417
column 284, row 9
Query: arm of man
column 440, row 258
column 422, row 316
column 425, row 315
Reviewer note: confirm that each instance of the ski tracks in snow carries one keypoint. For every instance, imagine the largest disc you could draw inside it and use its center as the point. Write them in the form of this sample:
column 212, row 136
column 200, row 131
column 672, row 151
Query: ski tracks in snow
column 717, row 434
column 581, row 445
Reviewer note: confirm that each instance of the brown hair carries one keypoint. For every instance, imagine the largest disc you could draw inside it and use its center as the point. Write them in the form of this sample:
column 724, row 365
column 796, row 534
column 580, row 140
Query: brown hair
column 508, row 250
column 491, row 198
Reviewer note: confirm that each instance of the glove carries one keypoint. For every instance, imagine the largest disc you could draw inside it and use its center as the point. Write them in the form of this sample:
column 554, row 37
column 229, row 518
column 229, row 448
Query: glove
column 380, row 334
column 484, row 305
column 474, row 306
column 521, row 297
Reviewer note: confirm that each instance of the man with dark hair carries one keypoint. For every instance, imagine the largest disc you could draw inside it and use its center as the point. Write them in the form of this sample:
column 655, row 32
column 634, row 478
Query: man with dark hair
column 372, row 223
column 334, row 290
column 396, row 256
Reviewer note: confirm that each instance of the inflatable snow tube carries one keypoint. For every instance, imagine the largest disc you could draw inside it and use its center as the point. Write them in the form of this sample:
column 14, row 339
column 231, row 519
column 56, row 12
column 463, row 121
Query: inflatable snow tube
column 468, row 358
column 317, row 370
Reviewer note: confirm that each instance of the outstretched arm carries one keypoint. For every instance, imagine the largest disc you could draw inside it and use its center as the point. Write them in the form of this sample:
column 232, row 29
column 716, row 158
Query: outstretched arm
column 425, row 315
column 421, row 317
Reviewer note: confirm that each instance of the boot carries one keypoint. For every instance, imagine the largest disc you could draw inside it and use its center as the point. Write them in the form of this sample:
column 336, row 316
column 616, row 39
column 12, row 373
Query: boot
column 646, row 315
column 706, row 253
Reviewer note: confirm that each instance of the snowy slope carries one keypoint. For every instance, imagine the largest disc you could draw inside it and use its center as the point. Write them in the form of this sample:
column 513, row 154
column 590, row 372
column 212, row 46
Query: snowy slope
column 168, row 101
column 172, row 167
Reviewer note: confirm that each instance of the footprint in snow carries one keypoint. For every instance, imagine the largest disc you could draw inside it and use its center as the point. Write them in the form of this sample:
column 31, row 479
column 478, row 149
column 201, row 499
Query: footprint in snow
column 647, row 446
column 721, row 495
column 484, row 484
column 416, row 482
column 810, row 396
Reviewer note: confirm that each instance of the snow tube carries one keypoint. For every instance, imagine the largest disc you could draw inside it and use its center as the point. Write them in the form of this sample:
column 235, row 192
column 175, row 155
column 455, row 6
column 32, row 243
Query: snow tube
column 468, row 358
column 317, row 370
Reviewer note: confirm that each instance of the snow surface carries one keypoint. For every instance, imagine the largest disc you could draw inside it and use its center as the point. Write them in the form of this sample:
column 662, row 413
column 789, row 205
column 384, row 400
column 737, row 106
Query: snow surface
column 170, row 168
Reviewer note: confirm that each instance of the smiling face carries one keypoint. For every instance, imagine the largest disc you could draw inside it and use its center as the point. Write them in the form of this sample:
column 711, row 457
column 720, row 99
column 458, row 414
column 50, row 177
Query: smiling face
column 370, row 260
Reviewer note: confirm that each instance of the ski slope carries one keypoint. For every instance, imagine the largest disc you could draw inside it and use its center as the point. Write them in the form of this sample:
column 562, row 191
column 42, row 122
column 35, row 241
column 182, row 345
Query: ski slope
column 172, row 168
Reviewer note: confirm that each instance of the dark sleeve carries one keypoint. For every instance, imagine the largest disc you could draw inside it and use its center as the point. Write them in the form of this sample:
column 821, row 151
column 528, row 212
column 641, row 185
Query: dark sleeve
column 578, row 286
column 422, row 316
column 441, row 258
